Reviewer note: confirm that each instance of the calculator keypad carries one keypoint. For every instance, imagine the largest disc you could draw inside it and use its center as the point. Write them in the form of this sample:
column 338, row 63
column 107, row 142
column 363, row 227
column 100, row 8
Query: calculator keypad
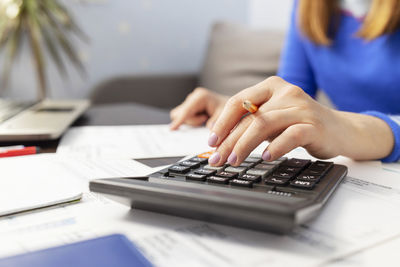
column 218, row 180
column 279, row 176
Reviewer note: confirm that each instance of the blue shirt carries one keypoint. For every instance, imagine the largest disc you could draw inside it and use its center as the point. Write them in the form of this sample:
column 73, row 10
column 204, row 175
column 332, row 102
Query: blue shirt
column 357, row 75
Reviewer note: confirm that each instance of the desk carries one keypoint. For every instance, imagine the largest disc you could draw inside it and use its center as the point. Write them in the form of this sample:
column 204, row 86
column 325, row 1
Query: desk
column 160, row 235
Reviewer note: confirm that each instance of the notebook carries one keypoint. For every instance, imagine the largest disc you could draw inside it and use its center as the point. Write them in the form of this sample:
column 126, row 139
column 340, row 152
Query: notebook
column 32, row 182
column 111, row 250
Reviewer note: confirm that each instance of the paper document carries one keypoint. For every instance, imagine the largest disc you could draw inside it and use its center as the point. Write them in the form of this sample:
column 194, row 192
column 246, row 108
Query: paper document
column 30, row 182
column 394, row 167
column 359, row 215
column 147, row 141
column 42, row 180
column 91, row 168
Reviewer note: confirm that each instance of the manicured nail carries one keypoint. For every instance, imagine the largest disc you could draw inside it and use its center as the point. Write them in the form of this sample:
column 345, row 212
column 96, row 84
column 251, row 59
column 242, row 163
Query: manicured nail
column 212, row 140
column 266, row 155
column 214, row 158
column 232, row 158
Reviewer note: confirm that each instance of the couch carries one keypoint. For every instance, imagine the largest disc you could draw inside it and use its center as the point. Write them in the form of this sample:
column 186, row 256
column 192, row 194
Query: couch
column 237, row 57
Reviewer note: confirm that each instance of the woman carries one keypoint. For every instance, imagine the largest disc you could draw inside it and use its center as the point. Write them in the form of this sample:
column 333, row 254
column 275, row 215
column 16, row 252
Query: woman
column 352, row 53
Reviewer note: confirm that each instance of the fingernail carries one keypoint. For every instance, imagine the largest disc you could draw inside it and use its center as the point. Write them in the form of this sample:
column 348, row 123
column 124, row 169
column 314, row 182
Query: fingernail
column 212, row 140
column 232, row 158
column 214, row 158
column 266, row 155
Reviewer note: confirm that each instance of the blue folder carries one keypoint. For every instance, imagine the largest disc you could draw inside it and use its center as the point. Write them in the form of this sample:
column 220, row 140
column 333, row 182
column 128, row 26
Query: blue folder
column 112, row 250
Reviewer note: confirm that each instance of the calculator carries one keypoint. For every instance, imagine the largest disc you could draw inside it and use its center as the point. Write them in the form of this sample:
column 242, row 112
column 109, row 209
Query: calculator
column 265, row 196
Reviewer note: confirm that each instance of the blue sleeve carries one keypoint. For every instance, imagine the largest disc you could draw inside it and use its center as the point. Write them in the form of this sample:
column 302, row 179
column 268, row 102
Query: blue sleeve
column 294, row 65
column 394, row 124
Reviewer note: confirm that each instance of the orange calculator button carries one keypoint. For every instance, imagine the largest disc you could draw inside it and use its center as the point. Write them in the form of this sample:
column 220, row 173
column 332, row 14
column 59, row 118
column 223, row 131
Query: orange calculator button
column 205, row 155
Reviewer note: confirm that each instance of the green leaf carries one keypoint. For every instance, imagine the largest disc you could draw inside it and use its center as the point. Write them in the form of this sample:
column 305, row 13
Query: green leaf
column 52, row 47
column 34, row 38
column 48, row 25
column 13, row 44
column 71, row 25
column 65, row 43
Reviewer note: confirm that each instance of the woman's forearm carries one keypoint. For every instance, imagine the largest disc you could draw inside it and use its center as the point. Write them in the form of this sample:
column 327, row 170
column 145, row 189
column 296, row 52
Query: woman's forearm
column 365, row 137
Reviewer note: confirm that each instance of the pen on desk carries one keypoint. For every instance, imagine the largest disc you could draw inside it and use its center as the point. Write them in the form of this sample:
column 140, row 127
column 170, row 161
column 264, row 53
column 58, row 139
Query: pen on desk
column 7, row 148
column 250, row 107
column 30, row 150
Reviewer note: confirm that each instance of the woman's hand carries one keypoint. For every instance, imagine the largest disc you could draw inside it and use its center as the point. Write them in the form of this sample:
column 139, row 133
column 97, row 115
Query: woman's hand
column 289, row 118
column 199, row 106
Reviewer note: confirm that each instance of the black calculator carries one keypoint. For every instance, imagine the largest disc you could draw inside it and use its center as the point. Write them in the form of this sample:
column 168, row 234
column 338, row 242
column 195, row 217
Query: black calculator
column 266, row 196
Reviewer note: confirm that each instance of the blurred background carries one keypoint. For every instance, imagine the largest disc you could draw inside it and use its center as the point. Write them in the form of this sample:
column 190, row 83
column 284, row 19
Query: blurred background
column 144, row 37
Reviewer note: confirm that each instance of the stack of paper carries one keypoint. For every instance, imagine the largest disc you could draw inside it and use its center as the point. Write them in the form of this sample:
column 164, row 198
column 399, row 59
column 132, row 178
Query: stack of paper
column 141, row 141
column 30, row 182
column 361, row 214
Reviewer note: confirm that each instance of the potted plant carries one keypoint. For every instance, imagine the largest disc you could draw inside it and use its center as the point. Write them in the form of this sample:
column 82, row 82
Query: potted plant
column 46, row 25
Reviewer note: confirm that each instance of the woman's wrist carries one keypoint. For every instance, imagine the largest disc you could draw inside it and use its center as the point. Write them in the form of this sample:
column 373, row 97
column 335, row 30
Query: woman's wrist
column 364, row 137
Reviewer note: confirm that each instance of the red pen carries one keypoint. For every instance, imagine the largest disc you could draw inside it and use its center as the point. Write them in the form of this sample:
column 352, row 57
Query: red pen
column 29, row 150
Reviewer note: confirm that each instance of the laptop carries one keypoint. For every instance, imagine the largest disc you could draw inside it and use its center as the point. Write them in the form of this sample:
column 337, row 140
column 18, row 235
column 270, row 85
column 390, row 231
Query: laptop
column 34, row 121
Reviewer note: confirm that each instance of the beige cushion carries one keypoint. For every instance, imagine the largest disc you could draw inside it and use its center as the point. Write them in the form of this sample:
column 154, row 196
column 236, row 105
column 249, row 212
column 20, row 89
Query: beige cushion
column 239, row 57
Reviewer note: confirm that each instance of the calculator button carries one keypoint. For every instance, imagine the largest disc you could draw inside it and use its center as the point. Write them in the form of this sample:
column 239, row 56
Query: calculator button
column 218, row 169
column 276, row 181
column 249, row 177
column 274, row 163
column 289, row 169
column 238, row 170
column 320, row 166
column 199, row 160
column 229, row 175
column 246, row 164
column 317, row 172
column 178, row 169
column 264, row 166
column 262, row 173
column 243, row 183
column 312, row 172
column 205, row 172
column 298, row 163
column 283, row 174
column 205, row 155
column 253, row 160
column 218, row 180
column 191, row 164
column 302, row 184
column 309, row 177
column 282, row 159
column 196, row 177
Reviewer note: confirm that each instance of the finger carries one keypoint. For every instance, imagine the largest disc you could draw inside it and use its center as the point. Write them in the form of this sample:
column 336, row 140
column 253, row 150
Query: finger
column 181, row 116
column 233, row 110
column 262, row 128
column 173, row 113
column 188, row 109
column 293, row 137
column 211, row 121
column 220, row 155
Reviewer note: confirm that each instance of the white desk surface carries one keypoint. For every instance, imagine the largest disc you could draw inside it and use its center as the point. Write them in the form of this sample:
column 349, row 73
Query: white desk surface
column 360, row 226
